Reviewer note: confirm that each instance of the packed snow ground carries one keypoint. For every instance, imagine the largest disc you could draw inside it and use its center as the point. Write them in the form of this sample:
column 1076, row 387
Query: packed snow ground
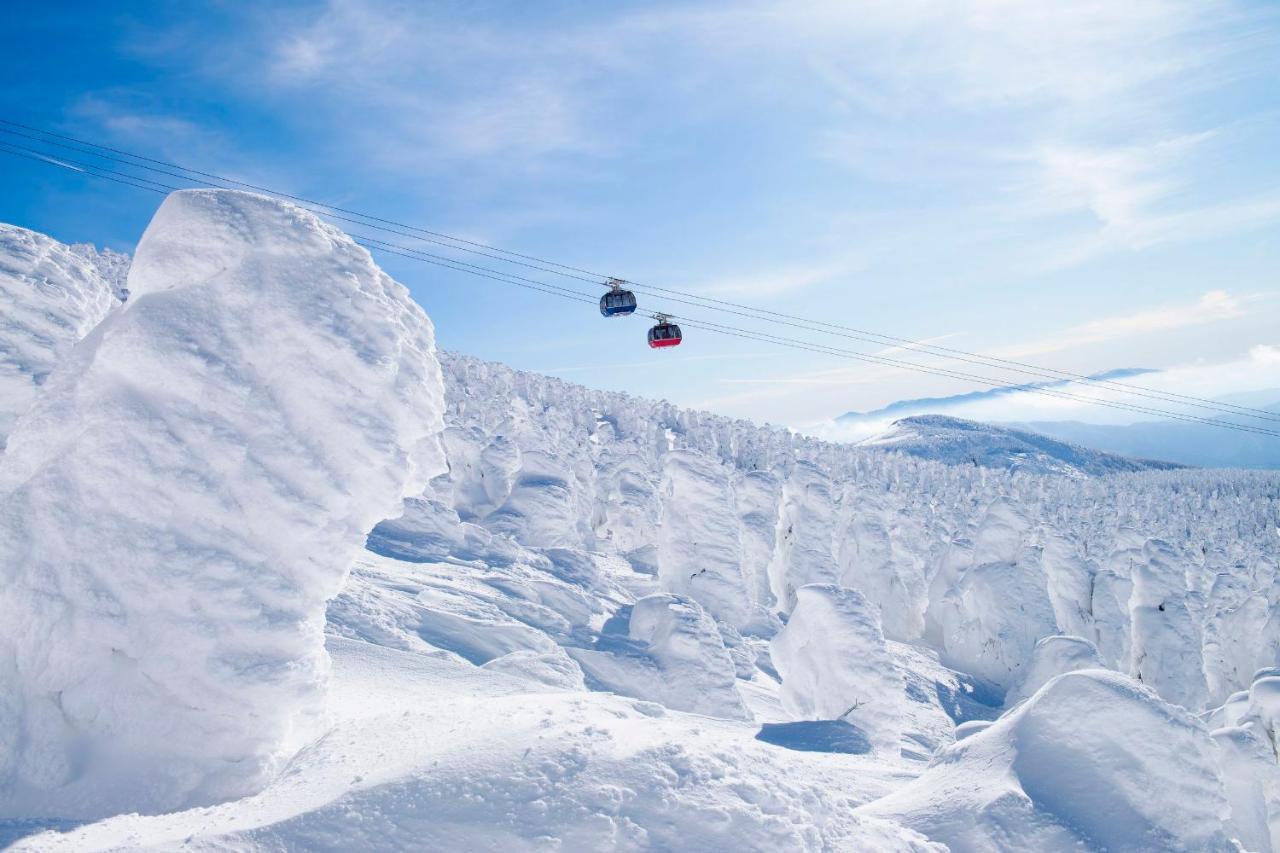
column 613, row 623
column 429, row 753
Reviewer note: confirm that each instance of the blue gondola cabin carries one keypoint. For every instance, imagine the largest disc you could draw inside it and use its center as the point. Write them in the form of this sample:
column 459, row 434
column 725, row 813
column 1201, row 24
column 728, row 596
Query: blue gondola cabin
column 617, row 302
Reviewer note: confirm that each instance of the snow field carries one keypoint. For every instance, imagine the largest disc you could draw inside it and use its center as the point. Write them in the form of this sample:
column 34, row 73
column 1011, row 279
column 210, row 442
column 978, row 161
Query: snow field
column 808, row 641
column 430, row 753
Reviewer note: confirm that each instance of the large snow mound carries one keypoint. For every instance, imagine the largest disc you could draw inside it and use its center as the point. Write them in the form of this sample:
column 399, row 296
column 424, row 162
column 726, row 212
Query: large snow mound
column 186, row 493
column 51, row 295
column 1092, row 761
column 835, row 664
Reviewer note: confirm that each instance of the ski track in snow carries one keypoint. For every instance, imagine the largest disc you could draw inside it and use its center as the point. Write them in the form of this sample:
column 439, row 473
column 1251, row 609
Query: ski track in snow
column 577, row 637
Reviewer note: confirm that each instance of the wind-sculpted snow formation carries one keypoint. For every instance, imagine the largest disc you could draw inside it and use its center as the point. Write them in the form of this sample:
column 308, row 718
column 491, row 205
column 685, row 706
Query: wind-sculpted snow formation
column 186, row 492
column 1171, row 575
column 835, row 665
column 609, row 623
column 51, row 295
column 885, row 570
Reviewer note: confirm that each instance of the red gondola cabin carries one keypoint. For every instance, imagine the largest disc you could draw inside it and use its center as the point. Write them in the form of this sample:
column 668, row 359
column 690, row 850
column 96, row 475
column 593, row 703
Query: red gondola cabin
column 664, row 334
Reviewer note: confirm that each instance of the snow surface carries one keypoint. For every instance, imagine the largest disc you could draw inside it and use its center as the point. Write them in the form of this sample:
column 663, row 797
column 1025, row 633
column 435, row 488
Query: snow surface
column 605, row 622
column 429, row 753
column 184, row 496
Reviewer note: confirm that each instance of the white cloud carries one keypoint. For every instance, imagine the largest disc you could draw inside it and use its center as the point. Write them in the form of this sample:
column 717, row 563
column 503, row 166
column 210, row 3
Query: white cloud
column 1251, row 372
column 775, row 282
column 133, row 121
column 1117, row 185
column 1264, row 355
column 1136, row 195
column 426, row 81
column 1212, row 307
column 1254, row 377
column 834, row 389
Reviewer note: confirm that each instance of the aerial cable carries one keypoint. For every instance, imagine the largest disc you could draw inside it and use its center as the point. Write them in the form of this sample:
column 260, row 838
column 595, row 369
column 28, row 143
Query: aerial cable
column 692, row 322
column 579, row 273
column 818, row 348
column 84, row 170
column 430, row 236
column 806, row 324
column 364, row 240
column 981, row 361
column 695, row 323
column 699, row 323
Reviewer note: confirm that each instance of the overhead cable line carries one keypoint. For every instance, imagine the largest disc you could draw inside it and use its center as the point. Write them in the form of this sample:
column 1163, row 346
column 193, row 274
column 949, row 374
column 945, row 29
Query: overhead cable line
column 582, row 274
column 691, row 321
column 700, row 323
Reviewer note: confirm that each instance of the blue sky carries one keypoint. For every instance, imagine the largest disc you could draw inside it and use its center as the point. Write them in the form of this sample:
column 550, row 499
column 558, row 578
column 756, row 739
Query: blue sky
column 1088, row 185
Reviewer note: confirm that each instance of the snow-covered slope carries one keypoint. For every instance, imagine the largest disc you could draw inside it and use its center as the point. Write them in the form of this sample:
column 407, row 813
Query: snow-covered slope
column 738, row 517
column 433, row 754
column 615, row 624
column 51, row 295
column 960, row 442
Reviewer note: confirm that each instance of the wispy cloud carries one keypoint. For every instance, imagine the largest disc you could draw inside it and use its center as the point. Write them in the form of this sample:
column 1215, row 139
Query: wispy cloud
column 840, row 381
column 458, row 87
column 1249, row 373
column 958, row 157
column 1212, row 307
column 1136, row 196
column 776, row 282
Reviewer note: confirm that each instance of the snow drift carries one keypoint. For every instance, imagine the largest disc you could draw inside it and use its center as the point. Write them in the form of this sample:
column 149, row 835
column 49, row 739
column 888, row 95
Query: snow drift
column 1092, row 761
column 186, row 493
column 1248, row 740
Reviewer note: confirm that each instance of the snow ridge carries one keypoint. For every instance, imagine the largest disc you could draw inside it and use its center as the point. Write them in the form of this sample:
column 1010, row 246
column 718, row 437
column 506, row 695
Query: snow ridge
column 962, row 442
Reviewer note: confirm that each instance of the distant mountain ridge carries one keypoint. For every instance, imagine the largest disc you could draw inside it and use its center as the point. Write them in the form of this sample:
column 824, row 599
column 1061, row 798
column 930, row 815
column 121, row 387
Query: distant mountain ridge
column 1183, row 442
column 956, row 441
column 923, row 405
